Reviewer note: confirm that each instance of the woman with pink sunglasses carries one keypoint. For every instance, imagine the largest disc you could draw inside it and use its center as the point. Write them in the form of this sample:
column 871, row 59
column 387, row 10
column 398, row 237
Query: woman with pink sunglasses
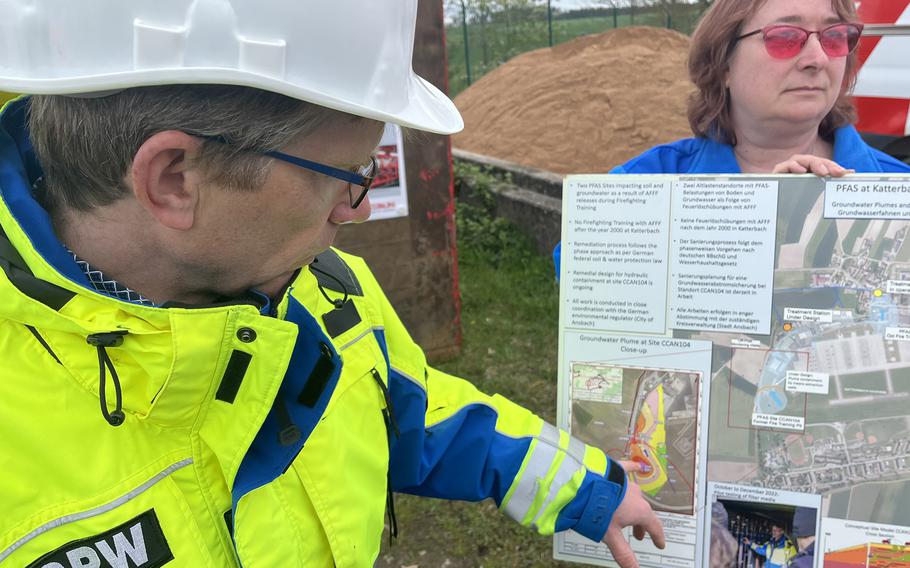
column 773, row 81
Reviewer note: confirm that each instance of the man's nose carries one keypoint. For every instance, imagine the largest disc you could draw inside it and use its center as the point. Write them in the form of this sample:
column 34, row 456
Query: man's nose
column 364, row 210
column 344, row 213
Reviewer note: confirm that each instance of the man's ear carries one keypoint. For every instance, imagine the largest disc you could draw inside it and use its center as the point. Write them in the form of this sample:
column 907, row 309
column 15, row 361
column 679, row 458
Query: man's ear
column 163, row 181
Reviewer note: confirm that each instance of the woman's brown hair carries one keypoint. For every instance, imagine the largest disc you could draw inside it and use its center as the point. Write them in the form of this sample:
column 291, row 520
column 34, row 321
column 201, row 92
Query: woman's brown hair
column 709, row 56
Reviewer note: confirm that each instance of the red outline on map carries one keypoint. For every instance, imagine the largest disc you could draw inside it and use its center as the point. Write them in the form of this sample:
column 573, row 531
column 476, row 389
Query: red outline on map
column 730, row 389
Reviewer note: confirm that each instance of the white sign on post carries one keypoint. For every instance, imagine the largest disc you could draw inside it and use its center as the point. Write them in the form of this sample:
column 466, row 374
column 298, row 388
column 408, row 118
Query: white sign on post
column 389, row 194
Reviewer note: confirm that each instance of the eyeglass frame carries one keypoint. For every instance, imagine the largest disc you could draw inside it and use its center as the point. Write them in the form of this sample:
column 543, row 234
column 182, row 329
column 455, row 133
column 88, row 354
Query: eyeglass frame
column 362, row 180
column 856, row 25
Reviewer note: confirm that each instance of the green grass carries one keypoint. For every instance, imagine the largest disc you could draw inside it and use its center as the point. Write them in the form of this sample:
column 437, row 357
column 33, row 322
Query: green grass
column 856, row 230
column 820, row 410
column 840, row 503
column 793, row 206
column 877, row 247
column 874, row 381
column 729, row 444
column 819, row 237
column 850, row 301
column 903, row 255
column 886, row 429
column 492, row 44
column 510, row 308
column 883, row 502
column 883, row 245
column 791, row 279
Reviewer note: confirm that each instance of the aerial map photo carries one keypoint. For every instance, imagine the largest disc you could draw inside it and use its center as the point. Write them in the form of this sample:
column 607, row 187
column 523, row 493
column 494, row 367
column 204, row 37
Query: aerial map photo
column 839, row 308
column 643, row 415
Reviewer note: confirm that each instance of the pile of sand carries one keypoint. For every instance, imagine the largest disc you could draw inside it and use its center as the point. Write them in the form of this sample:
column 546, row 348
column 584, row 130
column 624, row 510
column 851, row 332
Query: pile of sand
column 583, row 106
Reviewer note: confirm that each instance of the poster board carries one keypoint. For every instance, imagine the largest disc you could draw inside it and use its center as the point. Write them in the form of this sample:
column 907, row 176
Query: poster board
column 748, row 337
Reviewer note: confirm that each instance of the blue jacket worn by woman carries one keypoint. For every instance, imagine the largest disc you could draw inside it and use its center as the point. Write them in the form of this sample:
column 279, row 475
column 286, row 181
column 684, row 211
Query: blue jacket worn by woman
column 704, row 156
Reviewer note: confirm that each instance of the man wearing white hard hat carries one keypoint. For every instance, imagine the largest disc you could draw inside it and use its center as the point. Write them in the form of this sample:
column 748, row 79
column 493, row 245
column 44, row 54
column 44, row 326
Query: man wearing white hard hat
column 190, row 375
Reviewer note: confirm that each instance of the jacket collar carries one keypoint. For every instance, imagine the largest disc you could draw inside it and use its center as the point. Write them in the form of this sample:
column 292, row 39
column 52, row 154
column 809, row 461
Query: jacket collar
column 158, row 386
column 850, row 151
column 715, row 157
column 19, row 172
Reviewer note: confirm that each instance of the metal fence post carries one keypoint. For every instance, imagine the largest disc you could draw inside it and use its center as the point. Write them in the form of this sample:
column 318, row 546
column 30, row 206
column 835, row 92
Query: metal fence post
column 550, row 22
column 467, row 51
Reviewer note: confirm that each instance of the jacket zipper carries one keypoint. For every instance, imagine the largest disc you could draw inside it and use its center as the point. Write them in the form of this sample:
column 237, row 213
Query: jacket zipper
column 388, row 413
column 391, row 426
column 43, row 343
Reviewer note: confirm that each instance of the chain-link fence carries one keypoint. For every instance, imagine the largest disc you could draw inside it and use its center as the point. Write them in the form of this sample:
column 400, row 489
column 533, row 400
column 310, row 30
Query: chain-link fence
column 483, row 34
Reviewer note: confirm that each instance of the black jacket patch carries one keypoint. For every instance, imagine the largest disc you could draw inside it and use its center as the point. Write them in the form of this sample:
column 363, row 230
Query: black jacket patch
column 341, row 319
column 137, row 543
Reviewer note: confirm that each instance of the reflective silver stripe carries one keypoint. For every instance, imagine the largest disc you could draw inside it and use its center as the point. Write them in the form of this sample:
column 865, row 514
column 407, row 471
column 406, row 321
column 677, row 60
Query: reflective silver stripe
column 536, row 469
column 567, row 469
column 97, row 510
column 577, row 449
column 574, row 460
column 550, row 433
column 356, row 339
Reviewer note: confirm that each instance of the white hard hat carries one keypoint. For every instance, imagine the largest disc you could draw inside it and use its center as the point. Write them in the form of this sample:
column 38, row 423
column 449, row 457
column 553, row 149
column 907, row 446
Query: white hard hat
column 349, row 55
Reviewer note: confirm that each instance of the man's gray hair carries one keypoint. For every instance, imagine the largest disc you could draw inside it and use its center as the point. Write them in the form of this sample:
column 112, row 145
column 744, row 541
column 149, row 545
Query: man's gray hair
column 86, row 145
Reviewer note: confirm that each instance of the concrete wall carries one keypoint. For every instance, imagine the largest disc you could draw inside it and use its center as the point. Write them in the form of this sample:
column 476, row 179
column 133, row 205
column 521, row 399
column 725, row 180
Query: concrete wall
column 530, row 199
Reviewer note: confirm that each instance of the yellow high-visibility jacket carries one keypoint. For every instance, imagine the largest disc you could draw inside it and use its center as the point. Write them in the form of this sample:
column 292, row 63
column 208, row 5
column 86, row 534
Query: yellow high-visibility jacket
column 252, row 433
column 778, row 553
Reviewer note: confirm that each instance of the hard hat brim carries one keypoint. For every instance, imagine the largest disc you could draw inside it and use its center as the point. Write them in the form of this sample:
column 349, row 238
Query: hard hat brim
column 427, row 108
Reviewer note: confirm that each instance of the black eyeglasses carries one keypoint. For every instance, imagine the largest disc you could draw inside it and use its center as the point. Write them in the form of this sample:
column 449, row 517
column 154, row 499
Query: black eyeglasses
column 362, row 178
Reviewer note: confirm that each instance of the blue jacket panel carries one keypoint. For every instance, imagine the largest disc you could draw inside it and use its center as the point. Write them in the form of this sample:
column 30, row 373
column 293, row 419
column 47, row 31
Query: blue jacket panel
column 703, row 156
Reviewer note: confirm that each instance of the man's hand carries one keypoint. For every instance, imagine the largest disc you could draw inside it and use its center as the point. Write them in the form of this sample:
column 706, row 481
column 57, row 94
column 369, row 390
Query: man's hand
column 808, row 164
column 633, row 512
column 746, row 541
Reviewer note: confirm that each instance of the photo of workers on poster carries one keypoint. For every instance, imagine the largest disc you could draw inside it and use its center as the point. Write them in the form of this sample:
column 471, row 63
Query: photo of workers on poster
column 752, row 527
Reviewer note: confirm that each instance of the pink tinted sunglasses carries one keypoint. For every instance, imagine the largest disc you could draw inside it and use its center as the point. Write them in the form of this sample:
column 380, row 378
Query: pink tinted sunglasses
column 783, row 41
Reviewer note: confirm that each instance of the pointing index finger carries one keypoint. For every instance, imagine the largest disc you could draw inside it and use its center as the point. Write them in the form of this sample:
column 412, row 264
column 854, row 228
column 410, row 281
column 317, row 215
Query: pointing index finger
column 635, row 467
